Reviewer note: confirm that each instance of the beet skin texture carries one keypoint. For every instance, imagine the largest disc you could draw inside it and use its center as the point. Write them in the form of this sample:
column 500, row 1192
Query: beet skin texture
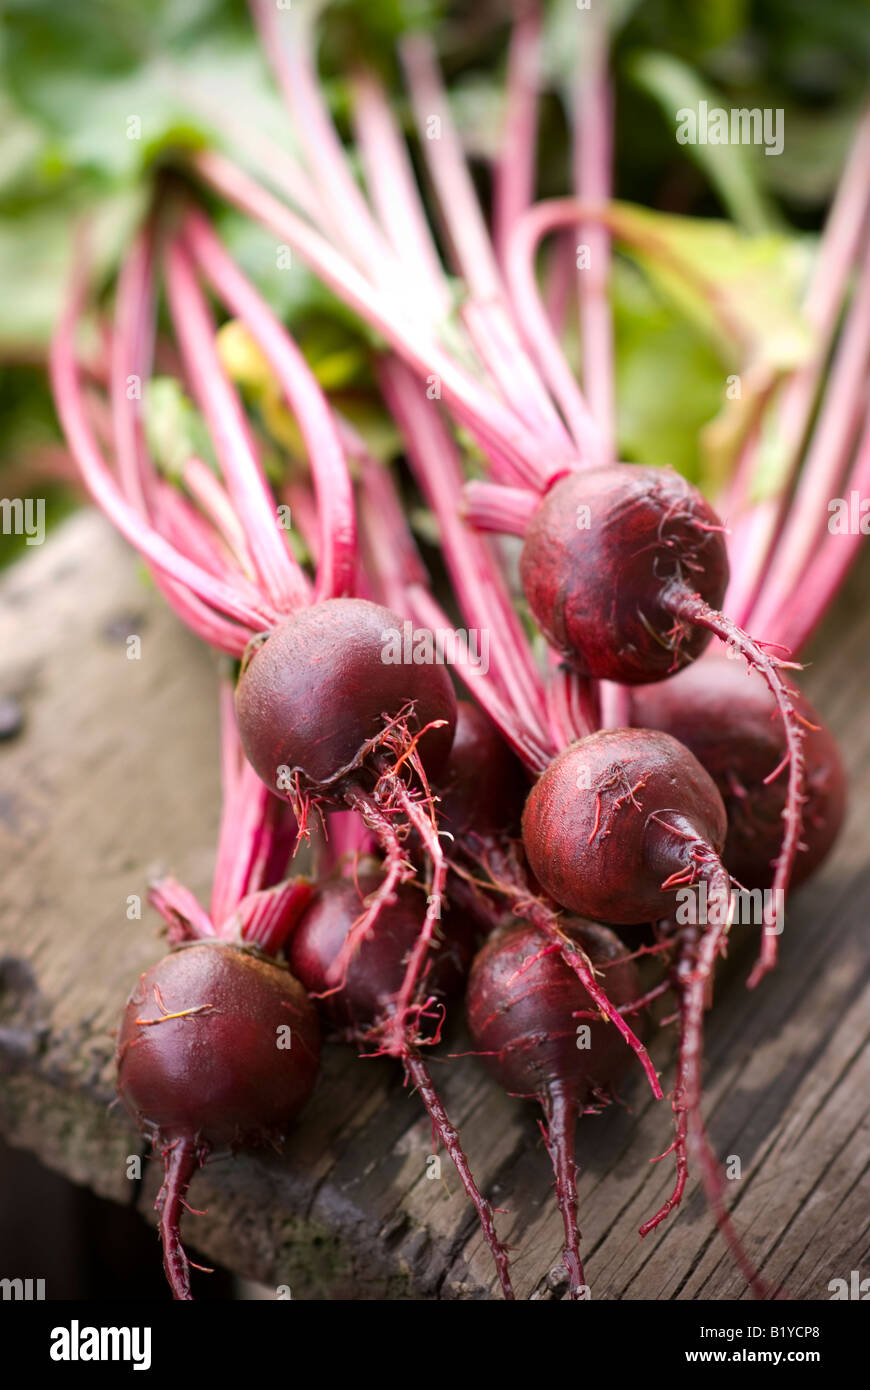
column 603, row 554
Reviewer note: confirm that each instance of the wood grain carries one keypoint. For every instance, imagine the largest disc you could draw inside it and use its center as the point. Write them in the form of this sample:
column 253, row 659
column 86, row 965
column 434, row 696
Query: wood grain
column 115, row 776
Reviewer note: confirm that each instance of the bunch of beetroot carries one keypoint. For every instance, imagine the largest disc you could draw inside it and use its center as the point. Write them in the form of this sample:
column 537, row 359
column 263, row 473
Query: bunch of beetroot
column 650, row 749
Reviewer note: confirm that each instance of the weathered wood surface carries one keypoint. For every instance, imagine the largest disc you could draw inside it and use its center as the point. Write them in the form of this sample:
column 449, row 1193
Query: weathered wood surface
column 115, row 775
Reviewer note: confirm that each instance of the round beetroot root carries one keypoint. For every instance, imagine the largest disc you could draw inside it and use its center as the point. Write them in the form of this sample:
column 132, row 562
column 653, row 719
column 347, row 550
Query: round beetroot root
column 615, row 817
column 317, row 695
column 602, row 553
column 218, row 1049
column 360, row 990
column 521, row 1003
column 326, row 716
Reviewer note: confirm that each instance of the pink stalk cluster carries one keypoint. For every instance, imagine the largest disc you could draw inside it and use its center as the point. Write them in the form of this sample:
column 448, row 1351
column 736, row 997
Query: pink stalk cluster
column 215, row 547
column 501, row 371
column 251, row 902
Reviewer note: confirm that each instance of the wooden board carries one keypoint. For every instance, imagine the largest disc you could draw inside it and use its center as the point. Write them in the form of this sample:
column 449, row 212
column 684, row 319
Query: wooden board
column 115, row 776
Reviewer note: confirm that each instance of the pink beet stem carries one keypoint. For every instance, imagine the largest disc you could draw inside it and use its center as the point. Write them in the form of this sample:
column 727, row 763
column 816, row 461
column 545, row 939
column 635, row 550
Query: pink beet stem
column 393, row 188
column 337, row 524
column 394, row 561
column 186, row 919
column 133, row 329
column 540, row 336
column 185, row 528
column 572, row 705
column 593, row 156
column 513, row 373
column 288, row 43
column 550, row 216
column 414, row 272
column 491, row 327
column 535, row 753
column 274, row 160
column 800, row 614
column 615, row 705
column 419, row 1073
column 346, row 841
column 445, row 160
column 822, row 474
column 211, row 496
column 285, row 586
column 209, row 626
column 471, row 402
column 692, row 609
column 752, row 547
column 267, row 917
column 70, row 405
column 479, row 587
column 251, row 824
column 492, row 507
column 514, row 176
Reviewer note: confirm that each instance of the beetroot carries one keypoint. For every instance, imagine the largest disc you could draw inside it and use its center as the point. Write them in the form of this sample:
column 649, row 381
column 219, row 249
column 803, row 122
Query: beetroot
column 482, row 801
column 727, row 717
column 602, row 552
column 359, row 994
column 483, row 786
column 317, row 696
column 624, row 568
column 617, row 816
column 521, row 1001
column 326, row 717
column 218, row 1049
column 615, row 823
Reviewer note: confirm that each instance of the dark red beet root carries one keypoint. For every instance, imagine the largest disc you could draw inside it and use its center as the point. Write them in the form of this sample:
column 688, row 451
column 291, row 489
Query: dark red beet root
column 316, row 695
column 728, row 718
column 484, row 808
column 324, row 715
column 365, row 987
column 522, row 1023
column 205, row 1062
column 602, row 550
column 615, row 817
column 624, row 569
column 363, row 992
column 483, row 786
column 521, row 1002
